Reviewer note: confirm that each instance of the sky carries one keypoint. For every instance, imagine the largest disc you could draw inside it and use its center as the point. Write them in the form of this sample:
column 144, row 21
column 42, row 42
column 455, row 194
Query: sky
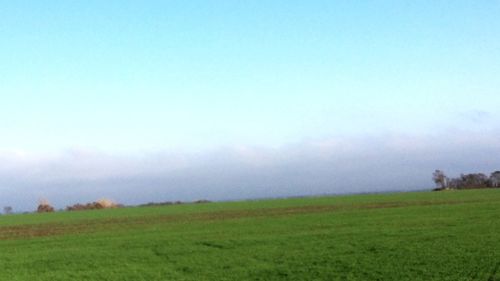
column 182, row 100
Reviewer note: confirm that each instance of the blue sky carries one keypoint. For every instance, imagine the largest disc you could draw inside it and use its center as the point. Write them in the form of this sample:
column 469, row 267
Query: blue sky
column 136, row 78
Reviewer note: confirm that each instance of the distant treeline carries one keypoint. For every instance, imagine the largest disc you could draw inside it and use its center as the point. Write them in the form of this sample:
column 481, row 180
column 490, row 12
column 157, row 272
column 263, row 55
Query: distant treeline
column 466, row 181
column 45, row 207
column 152, row 204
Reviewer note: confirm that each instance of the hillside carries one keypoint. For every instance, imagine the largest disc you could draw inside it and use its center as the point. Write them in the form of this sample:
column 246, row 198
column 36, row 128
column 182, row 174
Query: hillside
column 401, row 236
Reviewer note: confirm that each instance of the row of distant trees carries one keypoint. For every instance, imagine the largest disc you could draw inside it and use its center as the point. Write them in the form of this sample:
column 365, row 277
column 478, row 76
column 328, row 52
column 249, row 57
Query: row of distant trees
column 466, row 181
column 45, row 207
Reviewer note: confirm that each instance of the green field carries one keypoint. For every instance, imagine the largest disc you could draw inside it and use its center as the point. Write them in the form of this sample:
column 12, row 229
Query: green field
column 400, row 236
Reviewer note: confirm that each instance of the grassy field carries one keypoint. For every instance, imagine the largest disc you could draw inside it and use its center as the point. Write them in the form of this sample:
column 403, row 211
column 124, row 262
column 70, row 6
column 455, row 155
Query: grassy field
column 401, row 236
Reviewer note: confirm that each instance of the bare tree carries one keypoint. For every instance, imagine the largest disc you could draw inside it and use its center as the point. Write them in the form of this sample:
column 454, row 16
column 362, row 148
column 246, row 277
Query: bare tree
column 440, row 179
column 495, row 179
column 477, row 180
column 7, row 210
column 466, row 181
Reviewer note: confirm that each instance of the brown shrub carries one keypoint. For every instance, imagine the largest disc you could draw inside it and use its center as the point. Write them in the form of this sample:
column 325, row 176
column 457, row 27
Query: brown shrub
column 45, row 209
column 106, row 203
column 99, row 204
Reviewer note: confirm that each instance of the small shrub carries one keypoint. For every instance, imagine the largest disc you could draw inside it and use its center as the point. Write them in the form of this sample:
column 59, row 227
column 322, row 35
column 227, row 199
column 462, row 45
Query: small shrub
column 44, row 207
column 106, row 203
column 97, row 205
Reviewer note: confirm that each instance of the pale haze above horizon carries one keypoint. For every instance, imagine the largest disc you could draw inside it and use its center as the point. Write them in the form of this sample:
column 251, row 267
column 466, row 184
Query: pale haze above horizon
column 143, row 101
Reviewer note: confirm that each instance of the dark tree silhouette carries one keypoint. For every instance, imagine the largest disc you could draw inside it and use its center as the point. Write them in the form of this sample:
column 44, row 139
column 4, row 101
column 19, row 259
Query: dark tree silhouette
column 7, row 210
column 466, row 181
column 495, row 179
column 440, row 179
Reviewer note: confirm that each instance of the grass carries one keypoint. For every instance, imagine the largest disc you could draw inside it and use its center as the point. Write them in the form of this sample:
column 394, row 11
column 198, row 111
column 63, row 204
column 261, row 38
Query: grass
column 400, row 236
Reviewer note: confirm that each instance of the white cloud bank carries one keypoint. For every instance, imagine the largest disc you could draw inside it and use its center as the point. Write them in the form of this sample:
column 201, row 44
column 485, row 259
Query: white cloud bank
column 335, row 165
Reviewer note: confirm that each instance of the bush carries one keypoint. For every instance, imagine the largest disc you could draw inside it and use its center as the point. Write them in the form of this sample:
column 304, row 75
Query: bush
column 97, row 205
column 106, row 203
column 44, row 207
